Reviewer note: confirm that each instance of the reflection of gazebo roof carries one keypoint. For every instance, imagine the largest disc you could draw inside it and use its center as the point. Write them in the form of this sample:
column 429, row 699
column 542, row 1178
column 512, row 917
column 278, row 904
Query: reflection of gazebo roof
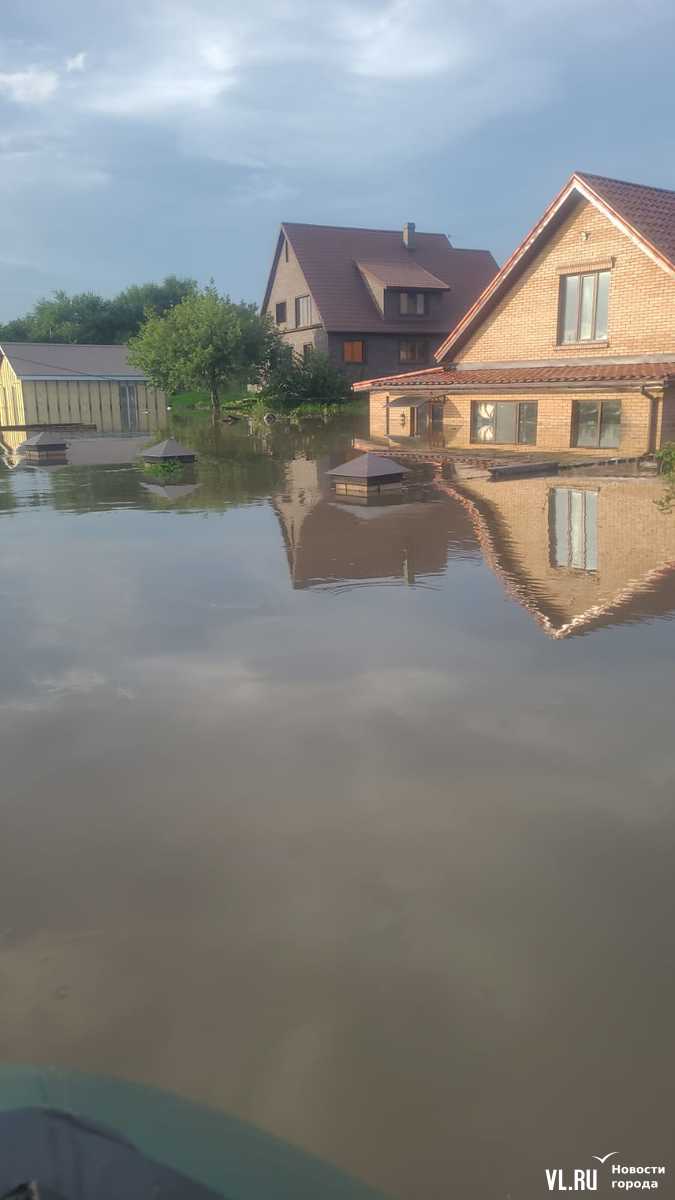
column 651, row 595
column 170, row 491
column 339, row 542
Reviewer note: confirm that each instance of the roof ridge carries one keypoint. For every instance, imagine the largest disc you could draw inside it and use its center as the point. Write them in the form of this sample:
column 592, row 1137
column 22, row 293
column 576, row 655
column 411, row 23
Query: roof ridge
column 359, row 229
column 645, row 187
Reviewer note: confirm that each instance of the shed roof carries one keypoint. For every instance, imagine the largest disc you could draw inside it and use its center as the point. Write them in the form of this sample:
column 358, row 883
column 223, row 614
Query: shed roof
column 329, row 257
column 404, row 275
column 56, row 360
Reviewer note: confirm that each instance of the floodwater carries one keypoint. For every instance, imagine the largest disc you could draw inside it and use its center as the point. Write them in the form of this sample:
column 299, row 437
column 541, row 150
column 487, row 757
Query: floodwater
column 354, row 824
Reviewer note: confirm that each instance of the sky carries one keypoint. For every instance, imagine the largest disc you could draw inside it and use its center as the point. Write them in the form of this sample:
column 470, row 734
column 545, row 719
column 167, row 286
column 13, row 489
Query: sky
column 140, row 138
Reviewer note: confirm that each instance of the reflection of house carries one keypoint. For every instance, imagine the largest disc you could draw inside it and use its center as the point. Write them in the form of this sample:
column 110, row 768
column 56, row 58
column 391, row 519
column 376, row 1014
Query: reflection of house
column 577, row 552
column 375, row 300
column 328, row 541
column 571, row 344
column 49, row 384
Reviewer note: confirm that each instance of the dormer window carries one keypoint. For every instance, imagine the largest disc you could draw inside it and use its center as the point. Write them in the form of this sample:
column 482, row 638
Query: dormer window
column 413, row 304
column 583, row 307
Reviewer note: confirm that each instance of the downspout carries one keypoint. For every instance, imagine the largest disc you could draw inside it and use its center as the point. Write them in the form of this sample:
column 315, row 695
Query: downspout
column 654, row 398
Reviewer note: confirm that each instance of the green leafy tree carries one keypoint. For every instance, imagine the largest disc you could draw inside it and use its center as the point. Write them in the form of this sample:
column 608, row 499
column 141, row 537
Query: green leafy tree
column 89, row 318
column 204, row 342
column 293, row 381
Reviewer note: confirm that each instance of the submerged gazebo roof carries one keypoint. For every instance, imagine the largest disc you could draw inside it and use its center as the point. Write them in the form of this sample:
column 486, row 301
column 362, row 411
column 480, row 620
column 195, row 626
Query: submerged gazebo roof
column 44, row 441
column 369, row 466
column 169, row 450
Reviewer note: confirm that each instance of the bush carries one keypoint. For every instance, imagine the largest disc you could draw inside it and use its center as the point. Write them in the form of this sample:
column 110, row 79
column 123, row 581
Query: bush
column 294, row 381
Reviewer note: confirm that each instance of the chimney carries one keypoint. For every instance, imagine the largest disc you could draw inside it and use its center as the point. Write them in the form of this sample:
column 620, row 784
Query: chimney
column 409, row 235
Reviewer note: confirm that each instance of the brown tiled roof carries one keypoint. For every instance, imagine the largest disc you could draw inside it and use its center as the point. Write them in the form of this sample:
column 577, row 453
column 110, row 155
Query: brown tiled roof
column 486, row 377
column 329, row 258
column 403, row 275
column 649, row 210
column 54, row 360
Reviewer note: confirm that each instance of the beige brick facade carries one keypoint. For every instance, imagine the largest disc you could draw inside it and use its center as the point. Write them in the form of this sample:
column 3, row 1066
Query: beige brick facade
column 555, row 412
column 641, row 299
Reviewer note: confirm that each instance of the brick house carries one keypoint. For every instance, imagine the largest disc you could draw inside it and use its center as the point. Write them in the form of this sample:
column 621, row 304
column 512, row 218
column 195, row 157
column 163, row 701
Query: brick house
column 570, row 345
column 373, row 299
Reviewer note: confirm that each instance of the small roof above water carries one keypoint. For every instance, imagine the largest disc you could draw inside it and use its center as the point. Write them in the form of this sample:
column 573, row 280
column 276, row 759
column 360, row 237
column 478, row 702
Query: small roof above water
column 169, row 448
column 368, row 466
column 44, row 441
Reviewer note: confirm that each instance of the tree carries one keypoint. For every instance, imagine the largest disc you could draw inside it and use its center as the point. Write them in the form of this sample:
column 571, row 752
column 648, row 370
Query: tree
column 294, row 381
column 89, row 318
column 206, row 341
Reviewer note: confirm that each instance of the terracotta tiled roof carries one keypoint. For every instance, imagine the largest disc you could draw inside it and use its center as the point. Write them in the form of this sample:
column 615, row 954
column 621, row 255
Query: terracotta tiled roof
column 487, row 377
column 649, row 210
column 329, row 258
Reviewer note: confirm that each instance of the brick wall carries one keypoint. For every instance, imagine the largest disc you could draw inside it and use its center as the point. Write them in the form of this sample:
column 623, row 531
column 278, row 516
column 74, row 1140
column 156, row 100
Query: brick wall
column 641, row 299
column 554, row 420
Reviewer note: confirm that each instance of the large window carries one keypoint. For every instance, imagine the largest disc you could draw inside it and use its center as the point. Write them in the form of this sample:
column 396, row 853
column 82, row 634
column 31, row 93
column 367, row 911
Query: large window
column 504, row 422
column 303, row 310
column 597, row 423
column 413, row 304
column 573, row 528
column 583, row 307
column 281, row 313
column 354, row 352
column 413, row 350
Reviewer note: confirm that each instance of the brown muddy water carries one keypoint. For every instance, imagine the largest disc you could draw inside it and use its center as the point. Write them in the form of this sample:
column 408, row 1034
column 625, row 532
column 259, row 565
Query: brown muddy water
column 353, row 823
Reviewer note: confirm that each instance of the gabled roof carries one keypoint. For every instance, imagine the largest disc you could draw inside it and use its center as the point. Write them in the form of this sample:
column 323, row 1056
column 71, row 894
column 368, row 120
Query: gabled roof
column 54, row 360
column 329, row 256
column 644, row 214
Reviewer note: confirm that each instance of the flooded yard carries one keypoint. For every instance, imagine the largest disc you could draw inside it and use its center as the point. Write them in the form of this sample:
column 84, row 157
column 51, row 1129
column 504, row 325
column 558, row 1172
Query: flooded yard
column 354, row 823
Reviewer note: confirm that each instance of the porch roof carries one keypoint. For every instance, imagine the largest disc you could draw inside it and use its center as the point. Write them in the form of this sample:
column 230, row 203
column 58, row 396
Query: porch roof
column 458, row 378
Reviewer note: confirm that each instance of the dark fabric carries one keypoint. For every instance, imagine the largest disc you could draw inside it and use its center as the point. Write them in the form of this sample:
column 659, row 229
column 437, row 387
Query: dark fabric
column 66, row 1157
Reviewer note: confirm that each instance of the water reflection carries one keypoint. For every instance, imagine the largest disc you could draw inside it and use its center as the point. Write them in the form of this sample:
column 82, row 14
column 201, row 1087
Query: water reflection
column 381, row 870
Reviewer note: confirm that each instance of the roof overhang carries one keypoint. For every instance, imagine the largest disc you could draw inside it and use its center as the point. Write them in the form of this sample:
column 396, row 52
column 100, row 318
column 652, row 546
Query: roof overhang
column 574, row 190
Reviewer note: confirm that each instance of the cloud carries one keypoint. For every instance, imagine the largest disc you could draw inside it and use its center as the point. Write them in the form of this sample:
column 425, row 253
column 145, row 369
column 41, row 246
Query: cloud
column 77, row 62
column 32, row 86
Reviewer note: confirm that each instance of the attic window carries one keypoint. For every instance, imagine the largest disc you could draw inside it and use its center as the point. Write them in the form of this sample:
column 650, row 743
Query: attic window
column 303, row 311
column 281, row 313
column 583, row 307
column 413, row 304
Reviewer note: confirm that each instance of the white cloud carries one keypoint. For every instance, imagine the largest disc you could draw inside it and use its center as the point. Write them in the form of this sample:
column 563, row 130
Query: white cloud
column 32, row 86
column 77, row 62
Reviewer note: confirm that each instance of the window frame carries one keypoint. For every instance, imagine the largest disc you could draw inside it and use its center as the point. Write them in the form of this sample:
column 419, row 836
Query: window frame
column 423, row 342
column 519, row 423
column 354, row 342
column 597, row 444
column 307, row 351
column 281, row 320
column 404, row 298
column 298, row 323
column 562, row 293
column 587, row 542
